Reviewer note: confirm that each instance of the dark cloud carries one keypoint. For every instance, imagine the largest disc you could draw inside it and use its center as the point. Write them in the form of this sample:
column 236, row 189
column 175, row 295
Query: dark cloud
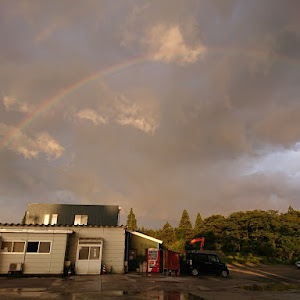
column 193, row 123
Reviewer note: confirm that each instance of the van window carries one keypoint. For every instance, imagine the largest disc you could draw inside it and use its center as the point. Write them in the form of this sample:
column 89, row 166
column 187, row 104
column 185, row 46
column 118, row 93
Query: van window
column 199, row 258
column 213, row 258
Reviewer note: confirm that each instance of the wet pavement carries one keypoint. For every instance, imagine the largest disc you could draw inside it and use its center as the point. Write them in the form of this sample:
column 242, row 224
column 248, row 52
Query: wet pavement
column 244, row 282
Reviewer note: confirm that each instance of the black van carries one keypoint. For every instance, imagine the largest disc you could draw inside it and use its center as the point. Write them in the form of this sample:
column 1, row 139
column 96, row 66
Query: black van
column 201, row 262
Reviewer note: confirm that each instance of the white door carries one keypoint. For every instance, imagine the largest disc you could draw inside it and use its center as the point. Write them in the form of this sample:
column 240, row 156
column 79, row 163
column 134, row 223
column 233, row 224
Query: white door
column 89, row 258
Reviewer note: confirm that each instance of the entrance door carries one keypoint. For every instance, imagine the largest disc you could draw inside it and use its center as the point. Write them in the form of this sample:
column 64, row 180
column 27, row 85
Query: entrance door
column 132, row 264
column 89, row 258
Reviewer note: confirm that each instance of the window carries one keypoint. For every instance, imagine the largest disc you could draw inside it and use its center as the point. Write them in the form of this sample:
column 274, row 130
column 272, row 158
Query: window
column 19, row 247
column 44, row 247
column 199, row 258
column 46, row 219
column 89, row 253
column 38, row 247
column 54, row 219
column 94, row 253
column 6, row 246
column 83, row 253
column 213, row 258
column 32, row 247
column 16, row 247
column 81, row 220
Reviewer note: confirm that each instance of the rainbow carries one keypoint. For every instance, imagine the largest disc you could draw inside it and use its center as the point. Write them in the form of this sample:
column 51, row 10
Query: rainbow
column 46, row 105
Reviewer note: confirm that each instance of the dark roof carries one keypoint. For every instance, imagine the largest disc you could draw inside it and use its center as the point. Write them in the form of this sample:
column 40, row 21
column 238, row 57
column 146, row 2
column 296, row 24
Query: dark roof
column 99, row 215
column 42, row 225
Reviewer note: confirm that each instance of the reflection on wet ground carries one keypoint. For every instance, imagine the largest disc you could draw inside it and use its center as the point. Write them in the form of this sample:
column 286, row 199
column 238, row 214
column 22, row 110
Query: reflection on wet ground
column 110, row 295
column 244, row 282
column 165, row 295
column 271, row 287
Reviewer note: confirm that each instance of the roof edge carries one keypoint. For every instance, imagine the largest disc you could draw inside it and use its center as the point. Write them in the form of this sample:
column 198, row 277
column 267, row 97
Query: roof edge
column 58, row 226
column 142, row 235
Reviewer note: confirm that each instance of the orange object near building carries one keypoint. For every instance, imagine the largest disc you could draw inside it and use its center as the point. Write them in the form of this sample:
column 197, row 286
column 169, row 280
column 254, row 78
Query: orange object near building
column 199, row 240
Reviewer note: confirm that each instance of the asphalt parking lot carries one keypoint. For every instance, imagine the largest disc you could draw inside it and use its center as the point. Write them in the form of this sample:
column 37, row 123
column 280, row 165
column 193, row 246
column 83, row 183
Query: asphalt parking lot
column 244, row 282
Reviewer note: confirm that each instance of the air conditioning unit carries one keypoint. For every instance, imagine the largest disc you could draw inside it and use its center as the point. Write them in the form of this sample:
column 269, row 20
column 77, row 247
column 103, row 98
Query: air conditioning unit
column 16, row 267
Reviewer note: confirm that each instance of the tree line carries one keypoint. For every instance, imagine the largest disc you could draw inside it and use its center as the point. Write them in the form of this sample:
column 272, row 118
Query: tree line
column 269, row 234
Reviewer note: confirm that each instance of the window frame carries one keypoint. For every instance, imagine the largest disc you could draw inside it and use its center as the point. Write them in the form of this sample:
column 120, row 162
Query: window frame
column 12, row 247
column 45, row 241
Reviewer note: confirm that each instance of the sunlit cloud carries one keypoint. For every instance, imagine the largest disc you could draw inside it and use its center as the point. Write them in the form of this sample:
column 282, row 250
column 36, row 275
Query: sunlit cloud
column 136, row 115
column 168, row 45
column 13, row 104
column 41, row 143
column 123, row 111
column 91, row 115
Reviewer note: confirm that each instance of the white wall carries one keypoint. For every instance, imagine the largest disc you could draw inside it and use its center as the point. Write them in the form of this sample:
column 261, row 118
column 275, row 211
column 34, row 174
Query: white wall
column 36, row 263
column 53, row 263
column 113, row 245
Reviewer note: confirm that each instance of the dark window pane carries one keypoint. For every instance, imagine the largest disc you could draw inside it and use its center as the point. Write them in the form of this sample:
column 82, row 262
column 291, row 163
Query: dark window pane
column 94, row 253
column 19, row 246
column 44, row 247
column 83, row 253
column 32, row 247
column 204, row 257
column 198, row 258
column 6, row 246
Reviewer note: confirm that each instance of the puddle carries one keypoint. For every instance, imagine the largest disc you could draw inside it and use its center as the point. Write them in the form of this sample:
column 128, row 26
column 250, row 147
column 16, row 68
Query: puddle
column 271, row 287
column 162, row 295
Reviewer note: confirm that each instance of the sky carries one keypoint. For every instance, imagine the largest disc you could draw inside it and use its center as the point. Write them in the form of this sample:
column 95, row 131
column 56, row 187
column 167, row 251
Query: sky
column 156, row 105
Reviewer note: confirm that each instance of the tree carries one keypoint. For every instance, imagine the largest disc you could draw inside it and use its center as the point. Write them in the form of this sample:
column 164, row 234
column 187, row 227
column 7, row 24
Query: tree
column 291, row 210
column 185, row 225
column 24, row 218
column 168, row 235
column 198, row 224
column 131, row 221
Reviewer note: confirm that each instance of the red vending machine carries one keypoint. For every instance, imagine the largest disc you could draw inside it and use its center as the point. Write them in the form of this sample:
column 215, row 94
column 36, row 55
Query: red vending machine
column 153, row 260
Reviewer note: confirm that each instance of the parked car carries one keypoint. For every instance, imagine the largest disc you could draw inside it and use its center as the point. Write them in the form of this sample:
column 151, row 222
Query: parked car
column 201, row 262
column 297, row 263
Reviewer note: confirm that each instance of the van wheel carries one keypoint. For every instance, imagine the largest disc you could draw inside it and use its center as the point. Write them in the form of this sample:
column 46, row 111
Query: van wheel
column 223, row 274
column 195, row 272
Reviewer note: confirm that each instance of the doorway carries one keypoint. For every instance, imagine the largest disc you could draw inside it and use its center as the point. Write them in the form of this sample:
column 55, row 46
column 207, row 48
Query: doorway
column 89, row 255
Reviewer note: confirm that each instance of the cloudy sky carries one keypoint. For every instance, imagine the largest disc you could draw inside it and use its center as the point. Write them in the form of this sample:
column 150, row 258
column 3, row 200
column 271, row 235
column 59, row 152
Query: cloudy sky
column 156, row 105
